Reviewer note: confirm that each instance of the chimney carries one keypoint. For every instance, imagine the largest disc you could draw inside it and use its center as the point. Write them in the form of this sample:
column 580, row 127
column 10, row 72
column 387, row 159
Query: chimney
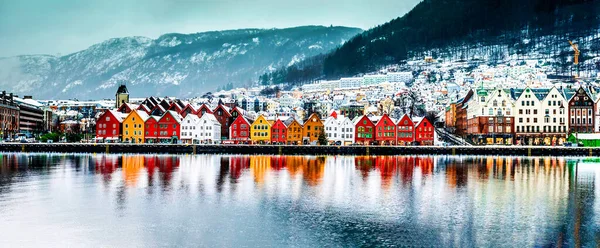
column 3, row 97
column 11, row 98
column 27, row 97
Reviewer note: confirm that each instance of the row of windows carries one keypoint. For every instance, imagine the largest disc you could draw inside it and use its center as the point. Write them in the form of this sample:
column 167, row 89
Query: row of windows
column 242, row 134
column 275, row 136
column 165, row 133
column 426, row 135
column 404, row 135
column 581, row 121
column 194, row 127
column 386, row 134
column 103, row 132
column 343, row 136
column 260, row 134
column 261, row 127
column 134, row 125
column 554, row 129
column 499, row 129
column 581, row 111
column 196, row 135
column 134, row 132
column 242, row 126
column 104, row 125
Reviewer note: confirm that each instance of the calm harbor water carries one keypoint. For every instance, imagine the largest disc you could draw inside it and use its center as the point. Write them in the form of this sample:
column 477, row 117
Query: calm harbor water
column 306, row 201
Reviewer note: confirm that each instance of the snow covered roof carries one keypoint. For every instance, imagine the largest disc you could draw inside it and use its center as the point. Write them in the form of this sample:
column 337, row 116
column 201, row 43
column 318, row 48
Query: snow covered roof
column 143, row 115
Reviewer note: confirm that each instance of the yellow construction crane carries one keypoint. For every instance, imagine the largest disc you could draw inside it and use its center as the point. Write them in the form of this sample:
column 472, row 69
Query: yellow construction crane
column 575, row 57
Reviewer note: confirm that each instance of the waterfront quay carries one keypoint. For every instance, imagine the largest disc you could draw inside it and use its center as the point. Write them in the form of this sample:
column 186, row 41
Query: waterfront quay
column 299, row 150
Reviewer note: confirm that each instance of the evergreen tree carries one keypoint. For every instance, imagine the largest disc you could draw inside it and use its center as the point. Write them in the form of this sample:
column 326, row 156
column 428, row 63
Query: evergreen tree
column 322, row 139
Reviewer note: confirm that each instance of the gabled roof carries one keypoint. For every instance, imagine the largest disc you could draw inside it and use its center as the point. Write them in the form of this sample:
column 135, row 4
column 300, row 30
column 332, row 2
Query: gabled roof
column 117, row 115
column 279, row 121
column 289, row 122
column 176, row 116
column 407, row 117
column 540, row 93
column 193, row 118
column 417, row 120
column 142, row 115
column 144, row 108
column 244, row 118
column 210, row 117
column 159, row 108
column 261, row 117
column 359, row 118
column 165, row 104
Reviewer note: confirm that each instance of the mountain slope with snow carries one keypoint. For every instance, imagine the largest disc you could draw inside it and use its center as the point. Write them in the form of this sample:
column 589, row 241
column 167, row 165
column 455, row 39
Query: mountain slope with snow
column 173, row 64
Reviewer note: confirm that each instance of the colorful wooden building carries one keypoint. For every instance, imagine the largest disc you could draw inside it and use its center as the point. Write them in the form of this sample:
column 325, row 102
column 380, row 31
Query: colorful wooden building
column 151, row 130
column 405, row 134
column 222, row 114
column 364, row 130
column 385, row 131
column 424, row 131
column 260, row 130
column 313, row 127
column 239, row 131
column 108, row 126
column 133, row 127
column 278, row 132
column 169, row 127
column 294, row 131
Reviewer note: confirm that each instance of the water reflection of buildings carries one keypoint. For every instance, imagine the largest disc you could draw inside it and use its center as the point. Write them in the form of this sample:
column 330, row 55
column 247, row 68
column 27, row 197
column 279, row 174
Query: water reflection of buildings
column 132, row 167
column 310, row 168
column 515, row 193
column 389, row 167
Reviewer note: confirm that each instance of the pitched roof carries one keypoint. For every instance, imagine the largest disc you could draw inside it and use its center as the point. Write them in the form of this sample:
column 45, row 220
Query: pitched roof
column 122, row 89
column 143, row 115
column 210, row 117
column 116, row 114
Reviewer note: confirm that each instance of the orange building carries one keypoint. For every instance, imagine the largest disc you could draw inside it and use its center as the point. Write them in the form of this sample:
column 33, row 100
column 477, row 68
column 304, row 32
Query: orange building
column 294, row 131
column 312, row 128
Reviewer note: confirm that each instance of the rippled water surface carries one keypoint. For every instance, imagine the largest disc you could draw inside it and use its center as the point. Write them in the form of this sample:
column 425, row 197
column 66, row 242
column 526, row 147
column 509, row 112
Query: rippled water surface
column 307, row 201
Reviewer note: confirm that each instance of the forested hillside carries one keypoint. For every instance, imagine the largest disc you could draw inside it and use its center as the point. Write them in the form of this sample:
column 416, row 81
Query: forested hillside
column 513, row 26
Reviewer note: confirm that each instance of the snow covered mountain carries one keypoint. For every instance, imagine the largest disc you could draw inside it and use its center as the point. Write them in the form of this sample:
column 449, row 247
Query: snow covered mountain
column 173, row 64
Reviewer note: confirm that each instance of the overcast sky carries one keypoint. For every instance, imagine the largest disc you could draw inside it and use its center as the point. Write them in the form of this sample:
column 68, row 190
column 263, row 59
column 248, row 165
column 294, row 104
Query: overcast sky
column 66, row 26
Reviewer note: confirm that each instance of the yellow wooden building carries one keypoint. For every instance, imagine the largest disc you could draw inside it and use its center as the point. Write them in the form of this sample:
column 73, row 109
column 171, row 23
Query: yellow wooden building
column 133, row 127
column 260, row 130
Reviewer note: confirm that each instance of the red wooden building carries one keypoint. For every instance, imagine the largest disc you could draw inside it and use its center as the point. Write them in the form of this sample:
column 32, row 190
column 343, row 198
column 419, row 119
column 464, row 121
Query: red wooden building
column 240, row 130
column 424, row 131
column 168, row 127
column 385, row 131
column 189, row 109
column 406, row 132
column 126, row 108
column 278, row 132
column 144, row 108
column 203, row 109
column 364, row 130
column 151, row 130
column 176, row 105
column 108, row 126
column 221, row 112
